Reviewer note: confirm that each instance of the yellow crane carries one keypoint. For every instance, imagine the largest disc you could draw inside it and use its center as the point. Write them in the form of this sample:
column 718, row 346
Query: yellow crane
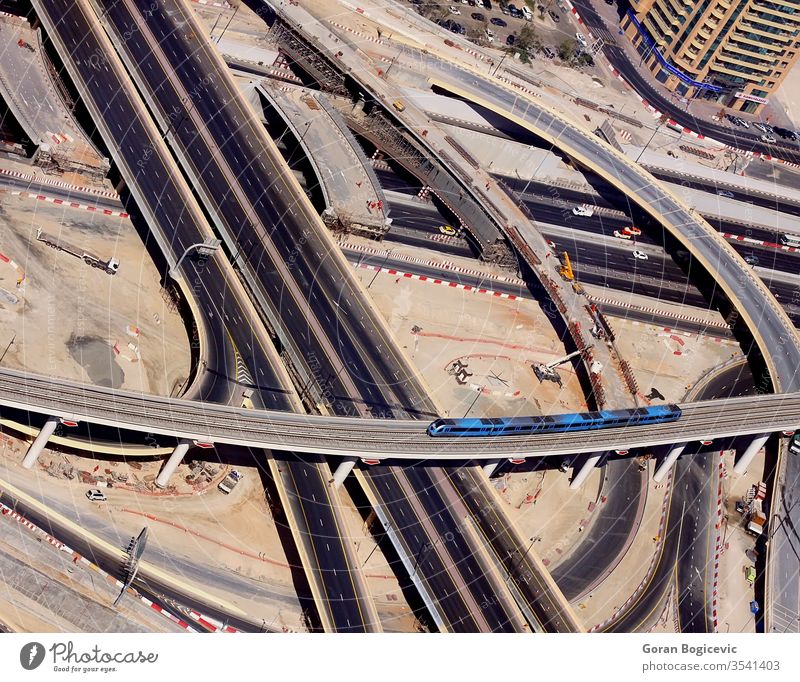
column 566, row 268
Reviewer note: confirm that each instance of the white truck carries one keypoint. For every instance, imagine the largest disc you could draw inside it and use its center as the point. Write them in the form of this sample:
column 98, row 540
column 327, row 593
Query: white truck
column 109, row 266
column 227, row 484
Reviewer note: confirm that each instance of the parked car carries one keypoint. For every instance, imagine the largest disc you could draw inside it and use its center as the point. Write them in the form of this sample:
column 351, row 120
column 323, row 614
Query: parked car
column 761, row 127
column 554, row 16
column 95, row 495
column 497, row 21
column 511, row 39
column 449, row 230
column 741, row 122
column 639, row 255
column 768, row 139
column 526, row 13
column 487, row 4
column 547, row 52
column 477, row 16
column 635, row 231
column 490, row 35
column 504, row 8
column 583, row 210
column 454, row 10
column 513, row 10
column 622, row 235
column 581, row 39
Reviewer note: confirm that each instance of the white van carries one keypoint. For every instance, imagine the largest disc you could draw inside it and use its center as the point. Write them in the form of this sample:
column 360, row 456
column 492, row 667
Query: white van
column 791, row 240
column 526, row 12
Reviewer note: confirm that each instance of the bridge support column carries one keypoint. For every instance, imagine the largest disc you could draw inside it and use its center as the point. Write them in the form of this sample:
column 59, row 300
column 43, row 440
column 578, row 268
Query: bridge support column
column 172, row 463
column 672, row 456
column 586, row 469
column 747, row 456
column 342, row 471
column 38, row 444
column 490, row 467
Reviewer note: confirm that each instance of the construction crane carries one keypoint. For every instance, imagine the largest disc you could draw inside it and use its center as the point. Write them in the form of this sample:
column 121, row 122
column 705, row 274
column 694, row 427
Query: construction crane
column 565, row 270
column 548, row 372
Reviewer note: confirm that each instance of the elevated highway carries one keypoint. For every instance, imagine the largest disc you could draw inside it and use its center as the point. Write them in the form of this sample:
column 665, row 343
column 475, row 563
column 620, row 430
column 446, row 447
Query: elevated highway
column 228, row 321
column 374, row 438
column 766, row 320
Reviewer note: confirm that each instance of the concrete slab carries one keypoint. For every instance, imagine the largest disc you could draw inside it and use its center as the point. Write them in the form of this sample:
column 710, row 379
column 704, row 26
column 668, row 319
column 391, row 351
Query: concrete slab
column 353, row 195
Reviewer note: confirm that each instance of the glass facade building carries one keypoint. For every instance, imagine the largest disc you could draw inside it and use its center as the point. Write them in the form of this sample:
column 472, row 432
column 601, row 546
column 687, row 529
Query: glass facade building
column 736, row 52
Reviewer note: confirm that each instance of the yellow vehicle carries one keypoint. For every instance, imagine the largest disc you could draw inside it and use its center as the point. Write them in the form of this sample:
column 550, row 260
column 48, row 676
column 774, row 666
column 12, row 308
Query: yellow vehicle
column 449, row 230
column 397, row 104
column 750, row 574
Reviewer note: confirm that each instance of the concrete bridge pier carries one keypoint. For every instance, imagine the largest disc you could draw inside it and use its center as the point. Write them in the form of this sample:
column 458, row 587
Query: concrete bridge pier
column 750, row 452
column 172, row 463
column 586, row 469
column 38, row 444
column 490, row 467
column 672, row 456
column 342, row 471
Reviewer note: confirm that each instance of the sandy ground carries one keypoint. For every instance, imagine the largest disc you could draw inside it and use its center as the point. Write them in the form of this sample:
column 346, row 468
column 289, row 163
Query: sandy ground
column 486, row 342
column 227, row 545
column 66, row 318
column 735, row 593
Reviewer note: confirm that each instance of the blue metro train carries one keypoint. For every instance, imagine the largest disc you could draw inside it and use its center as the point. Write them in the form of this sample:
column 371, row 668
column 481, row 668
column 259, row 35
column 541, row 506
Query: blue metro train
column 581, row 421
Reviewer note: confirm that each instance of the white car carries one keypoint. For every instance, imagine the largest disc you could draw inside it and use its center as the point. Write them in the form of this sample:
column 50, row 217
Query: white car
column 725, row 193
column 490, row 35
column 579, row 37
column 583, row 210
column 768, row 139
column 639, row 255
column 95, row 495
column 761, row 127
column 454, row 10
column 621, row 235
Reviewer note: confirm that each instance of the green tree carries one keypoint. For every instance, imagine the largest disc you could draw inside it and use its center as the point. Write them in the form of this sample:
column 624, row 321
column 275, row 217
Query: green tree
column 528, row 42
column 566, row 50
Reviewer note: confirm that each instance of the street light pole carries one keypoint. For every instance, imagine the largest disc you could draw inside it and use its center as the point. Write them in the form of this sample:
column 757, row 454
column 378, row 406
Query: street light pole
column 208, row 247
column 386, row 258
column 644, row 149
column 10, row 343
column 228, row 24
column 478, row 395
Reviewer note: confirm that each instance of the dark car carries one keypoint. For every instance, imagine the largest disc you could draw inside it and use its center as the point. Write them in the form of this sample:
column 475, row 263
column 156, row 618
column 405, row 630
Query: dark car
column 458, row 28
column 497, row 21
column 547, row 52
column 477, row 16
column 514, row 11
column 487, row 4
column 554, row 16
column 504, row 8
column 511, row 39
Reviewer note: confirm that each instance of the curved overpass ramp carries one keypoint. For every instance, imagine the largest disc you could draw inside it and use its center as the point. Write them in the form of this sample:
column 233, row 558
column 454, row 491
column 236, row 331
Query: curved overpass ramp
column 771, row 328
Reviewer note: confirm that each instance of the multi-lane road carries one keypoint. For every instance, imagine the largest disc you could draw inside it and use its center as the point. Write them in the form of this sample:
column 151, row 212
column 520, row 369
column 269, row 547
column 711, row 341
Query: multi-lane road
column 618, row 58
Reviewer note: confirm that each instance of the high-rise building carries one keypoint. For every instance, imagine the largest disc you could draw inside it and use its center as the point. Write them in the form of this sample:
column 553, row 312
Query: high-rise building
column 736, row 52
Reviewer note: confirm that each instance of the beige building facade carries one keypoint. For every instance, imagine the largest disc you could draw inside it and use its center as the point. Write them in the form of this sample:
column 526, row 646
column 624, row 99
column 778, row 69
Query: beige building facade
column 736, row 52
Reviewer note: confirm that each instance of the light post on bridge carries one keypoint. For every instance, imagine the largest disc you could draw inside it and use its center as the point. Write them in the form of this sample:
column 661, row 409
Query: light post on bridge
column 206, row 248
